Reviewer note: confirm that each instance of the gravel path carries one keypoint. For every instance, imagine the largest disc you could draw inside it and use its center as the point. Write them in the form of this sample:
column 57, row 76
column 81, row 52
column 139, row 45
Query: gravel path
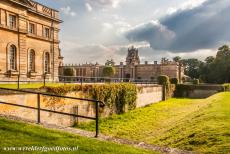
column 101, row 137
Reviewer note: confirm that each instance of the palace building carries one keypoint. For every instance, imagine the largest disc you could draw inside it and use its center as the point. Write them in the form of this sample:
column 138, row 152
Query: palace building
column 29, row 43
column 132, row 69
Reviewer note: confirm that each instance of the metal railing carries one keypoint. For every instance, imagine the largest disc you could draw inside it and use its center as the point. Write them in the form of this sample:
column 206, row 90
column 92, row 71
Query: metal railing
column 44, row 79
column 85, row 79
column 39, row 109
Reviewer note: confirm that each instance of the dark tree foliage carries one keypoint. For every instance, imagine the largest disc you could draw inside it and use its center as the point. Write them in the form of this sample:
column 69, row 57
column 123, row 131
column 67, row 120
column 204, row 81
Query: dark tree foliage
column 192, row 67
column 177, row 59
column 213, row 69
column 108, row 71
column 68, row 72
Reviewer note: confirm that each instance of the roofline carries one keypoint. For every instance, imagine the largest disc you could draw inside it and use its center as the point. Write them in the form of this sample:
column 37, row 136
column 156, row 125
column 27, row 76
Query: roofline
column 38, row 13
column 44, row 5
column 43, row 15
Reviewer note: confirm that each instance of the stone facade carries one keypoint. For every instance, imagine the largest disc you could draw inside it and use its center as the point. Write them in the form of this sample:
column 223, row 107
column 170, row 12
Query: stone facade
column 133, row 70
column 29, row 43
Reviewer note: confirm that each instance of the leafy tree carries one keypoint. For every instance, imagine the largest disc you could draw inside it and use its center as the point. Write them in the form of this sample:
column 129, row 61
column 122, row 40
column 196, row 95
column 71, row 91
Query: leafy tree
column 223, row 51
column 210, row 59
column 192, row 67
column 217, row 69
column 68, row 72
column 174, row 81
column 221, row 65
column 177, row 59
column 110, row 63
column 108, row 71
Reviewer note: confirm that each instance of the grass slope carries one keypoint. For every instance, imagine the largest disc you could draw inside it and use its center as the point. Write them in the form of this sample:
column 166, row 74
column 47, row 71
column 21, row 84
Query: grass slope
column 17, row 134
column 201, row 125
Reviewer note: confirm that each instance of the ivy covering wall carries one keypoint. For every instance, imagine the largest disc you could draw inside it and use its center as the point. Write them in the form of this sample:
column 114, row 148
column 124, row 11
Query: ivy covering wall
column 119, row 97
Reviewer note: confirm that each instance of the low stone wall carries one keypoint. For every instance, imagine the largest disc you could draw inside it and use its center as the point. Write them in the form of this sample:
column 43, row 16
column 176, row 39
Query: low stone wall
column 149, row 95
column 146, row 96
column 198, row 91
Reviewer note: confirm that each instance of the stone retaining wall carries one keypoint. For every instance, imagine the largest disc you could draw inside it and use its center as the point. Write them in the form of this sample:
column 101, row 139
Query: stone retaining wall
column 198, row 91
column 146, row 96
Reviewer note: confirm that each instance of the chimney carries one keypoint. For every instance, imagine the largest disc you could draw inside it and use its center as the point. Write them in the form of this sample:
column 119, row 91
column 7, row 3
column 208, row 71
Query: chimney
column 146, row 62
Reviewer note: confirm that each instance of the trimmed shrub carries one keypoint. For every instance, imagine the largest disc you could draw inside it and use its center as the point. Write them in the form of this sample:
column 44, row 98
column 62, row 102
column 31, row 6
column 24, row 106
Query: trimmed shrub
column 226, row 87
column 169, row 89
column 68, row 72
column 174, row 81
column 163, row 80
column 196, row 81
column 108, row 71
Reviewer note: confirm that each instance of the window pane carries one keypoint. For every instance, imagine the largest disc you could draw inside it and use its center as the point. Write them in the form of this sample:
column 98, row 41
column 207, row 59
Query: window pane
column 31, row 28
column 12, row 21
column 47, row 32
column 47, row 61
column 32, row 61
column 12, row 57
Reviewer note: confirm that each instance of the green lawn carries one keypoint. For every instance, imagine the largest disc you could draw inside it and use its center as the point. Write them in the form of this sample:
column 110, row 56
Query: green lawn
column 30, row 85
column 201, row 125
column 17, row 134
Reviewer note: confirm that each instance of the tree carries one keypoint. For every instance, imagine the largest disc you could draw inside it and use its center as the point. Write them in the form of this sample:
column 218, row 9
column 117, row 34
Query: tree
column 223, row 51
column 108, row 71
column 210, row 59
column 110, row 63
column 217, row 69
column 177, row 59
column 192, row 67
column 221, row 65
column 68, row 72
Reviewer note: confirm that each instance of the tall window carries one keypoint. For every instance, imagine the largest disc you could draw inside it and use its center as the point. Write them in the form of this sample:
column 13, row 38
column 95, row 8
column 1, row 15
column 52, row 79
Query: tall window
column 12, row 57
column 47, row 62
column 32, row 61
column 12, row 21
column 31, row 28
column 47, row 32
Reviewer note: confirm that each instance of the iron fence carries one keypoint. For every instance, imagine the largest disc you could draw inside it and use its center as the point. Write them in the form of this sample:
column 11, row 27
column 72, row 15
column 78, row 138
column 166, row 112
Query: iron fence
column 39, row 109
column 44, row 79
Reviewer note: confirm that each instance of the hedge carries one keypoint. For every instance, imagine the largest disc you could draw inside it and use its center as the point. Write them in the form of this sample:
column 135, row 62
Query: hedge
column 196, row 81
column 174, row 81
column 226, row 87
column 169, row 88
column 116, row 96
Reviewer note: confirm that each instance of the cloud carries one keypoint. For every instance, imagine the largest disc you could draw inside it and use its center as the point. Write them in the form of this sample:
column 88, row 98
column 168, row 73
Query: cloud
column 88, row 7
column 100, row 53
column 112, row 3
column 107, row 26
column 68, row 11
column 189, row 28
column 152, row 32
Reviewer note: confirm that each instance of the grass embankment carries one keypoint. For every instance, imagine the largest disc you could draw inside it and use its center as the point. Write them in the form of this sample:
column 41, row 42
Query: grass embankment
column 17, row 134
column 201, row 125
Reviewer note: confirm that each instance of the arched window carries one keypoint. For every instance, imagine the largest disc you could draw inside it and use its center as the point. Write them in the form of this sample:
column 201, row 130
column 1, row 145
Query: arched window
column 47, row 62
column 32, row 61
column 12, row 57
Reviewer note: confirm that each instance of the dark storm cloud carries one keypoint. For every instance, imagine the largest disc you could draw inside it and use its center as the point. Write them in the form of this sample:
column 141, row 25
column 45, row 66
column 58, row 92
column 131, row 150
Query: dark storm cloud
column 202, row 27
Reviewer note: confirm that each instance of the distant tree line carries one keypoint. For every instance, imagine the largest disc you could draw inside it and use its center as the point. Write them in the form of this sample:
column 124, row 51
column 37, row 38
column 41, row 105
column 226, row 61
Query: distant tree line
column 212, row 69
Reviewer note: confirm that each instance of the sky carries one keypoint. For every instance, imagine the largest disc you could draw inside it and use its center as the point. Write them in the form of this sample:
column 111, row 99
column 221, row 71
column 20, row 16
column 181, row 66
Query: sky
column 98, row 30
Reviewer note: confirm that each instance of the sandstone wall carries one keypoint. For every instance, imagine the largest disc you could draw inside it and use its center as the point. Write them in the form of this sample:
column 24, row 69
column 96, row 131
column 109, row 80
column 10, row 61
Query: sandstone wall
column 146, row 96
